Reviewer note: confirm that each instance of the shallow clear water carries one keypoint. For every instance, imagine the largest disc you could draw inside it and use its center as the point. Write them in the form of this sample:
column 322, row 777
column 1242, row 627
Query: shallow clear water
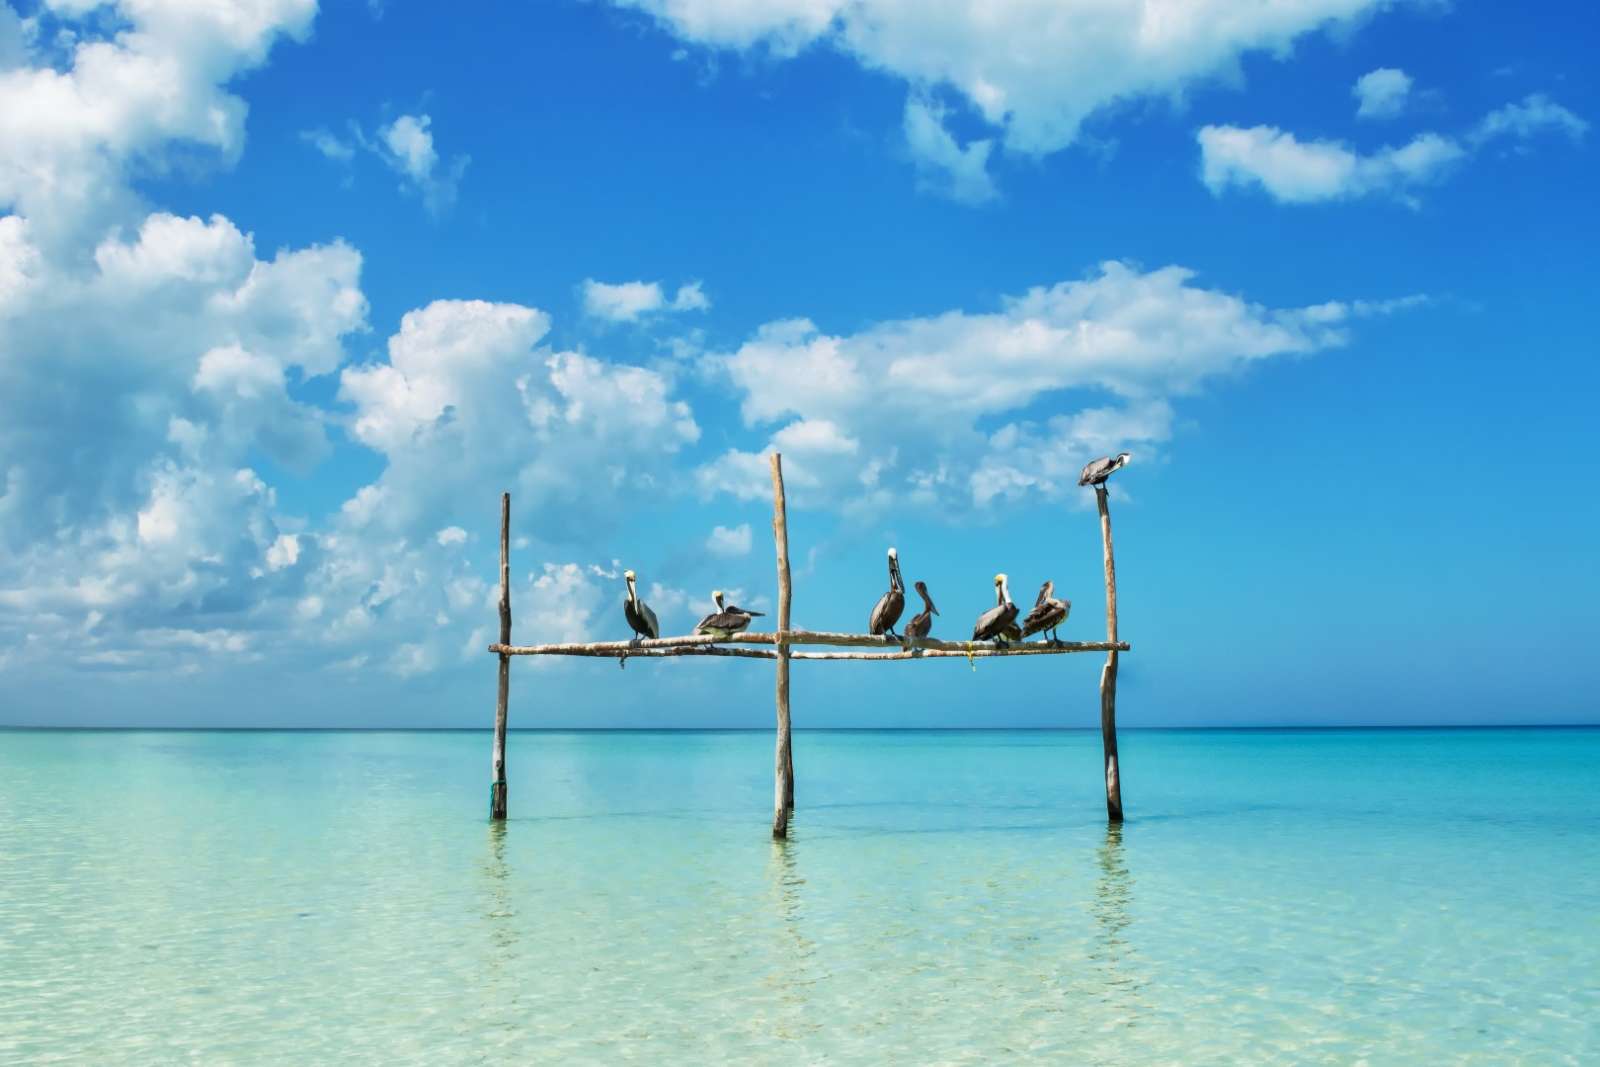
column 1306, row 897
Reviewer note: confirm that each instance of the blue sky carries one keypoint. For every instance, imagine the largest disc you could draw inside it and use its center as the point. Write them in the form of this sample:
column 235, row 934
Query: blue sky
column 289, row 294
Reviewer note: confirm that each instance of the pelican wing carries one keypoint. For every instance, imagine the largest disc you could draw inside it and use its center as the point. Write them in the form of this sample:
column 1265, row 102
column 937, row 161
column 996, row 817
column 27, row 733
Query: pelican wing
column 886, row 612
column 920, row 626
column 641, row 619
column 1044, row 616
column 1095, row 470
column 724, row 622
column 994, row 622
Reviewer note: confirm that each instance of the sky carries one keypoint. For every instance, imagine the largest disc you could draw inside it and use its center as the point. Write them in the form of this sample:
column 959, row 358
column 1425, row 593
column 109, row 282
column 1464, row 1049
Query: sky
column 290, row 293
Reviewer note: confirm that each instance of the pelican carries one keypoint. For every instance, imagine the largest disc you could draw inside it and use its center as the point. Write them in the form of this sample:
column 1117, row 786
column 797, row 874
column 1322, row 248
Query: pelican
column 1047, row 614
column 998, row 622
column 886, row 612
column 638, row 613
column 1096, row 471
column 716, row 595
column 726, row 621
column 922, row 622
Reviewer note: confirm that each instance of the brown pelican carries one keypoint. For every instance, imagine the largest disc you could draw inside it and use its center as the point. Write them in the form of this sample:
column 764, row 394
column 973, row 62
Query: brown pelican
column 1096, row 471
column 886, row 612
column 1047, row 614
column 726, row 621
column 999, row 621
column 638, row 613
column 922, row 622
column 716, row 595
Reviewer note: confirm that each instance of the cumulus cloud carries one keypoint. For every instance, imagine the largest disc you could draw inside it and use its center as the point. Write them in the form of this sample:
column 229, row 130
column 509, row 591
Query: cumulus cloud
column 1033, row 73
column 1300, row 172
column 1381, row 93
column 1293, row 171
column 468, row 385
column 632, row 301
column 406, row 145
column 729, row 542
column 69, row 129
column 150, row 358
column 926, row 410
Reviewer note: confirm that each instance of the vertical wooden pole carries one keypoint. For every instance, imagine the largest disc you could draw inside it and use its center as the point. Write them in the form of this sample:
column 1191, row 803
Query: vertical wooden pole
column 1108, row 675
column 783, row 789
column 497, row 790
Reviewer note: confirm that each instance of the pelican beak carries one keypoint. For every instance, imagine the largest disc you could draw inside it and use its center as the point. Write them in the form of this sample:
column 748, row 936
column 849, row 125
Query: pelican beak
column 931, row 607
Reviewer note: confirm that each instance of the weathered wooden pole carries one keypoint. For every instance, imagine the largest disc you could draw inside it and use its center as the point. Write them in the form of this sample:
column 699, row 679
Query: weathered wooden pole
column 783, row 788
column 1108, row 675
column 497, row 790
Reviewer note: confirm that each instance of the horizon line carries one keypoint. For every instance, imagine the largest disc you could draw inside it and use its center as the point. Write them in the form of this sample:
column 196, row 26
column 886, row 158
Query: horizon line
column 1215, row 727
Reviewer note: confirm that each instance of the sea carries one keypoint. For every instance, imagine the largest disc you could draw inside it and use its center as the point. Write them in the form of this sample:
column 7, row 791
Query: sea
column 1426, row 896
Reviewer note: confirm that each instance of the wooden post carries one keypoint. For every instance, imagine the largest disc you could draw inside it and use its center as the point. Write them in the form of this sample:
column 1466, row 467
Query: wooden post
column 497, row 790
column 1108, row 675
column 783, row 788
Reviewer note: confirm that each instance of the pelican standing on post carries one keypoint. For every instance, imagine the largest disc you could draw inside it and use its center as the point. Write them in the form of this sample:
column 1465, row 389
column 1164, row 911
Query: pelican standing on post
column 1096, row 471
column 1047, row 614
column 998, row 622
column 922, row 622
column 638, row 613
column 886, row 612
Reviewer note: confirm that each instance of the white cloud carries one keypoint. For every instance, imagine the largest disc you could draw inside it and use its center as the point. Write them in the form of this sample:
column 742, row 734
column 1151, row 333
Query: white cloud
column 1381, row 93
column 724, row 541
column 1534, row 114
column 631, row 301
column 1033, row 72
column 1298, row 172
column 897, row 413
column 284, row 552
column 68, row 130
column 406, row 144
column 468, row 387
column 329, row 145
column 562, row 603
column 149, row 356
column 945, row 167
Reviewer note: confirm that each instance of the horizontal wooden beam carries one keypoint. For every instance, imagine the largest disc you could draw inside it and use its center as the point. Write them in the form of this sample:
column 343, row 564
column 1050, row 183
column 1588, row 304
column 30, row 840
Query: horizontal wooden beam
column 701, row 645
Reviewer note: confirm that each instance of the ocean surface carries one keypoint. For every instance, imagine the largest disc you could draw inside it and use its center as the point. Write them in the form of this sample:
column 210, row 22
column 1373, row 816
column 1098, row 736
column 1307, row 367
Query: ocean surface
column 1284, row 897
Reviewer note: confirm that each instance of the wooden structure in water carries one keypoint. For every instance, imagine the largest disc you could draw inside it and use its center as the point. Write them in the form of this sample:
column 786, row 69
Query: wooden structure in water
column 779, row 646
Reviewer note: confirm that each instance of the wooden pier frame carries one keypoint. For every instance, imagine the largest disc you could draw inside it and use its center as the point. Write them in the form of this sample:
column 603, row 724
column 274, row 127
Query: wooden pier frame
column 779, row 645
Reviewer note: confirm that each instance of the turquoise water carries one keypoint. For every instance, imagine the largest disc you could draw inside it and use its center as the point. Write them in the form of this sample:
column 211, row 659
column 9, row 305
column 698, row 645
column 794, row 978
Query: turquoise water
column 1275, row 897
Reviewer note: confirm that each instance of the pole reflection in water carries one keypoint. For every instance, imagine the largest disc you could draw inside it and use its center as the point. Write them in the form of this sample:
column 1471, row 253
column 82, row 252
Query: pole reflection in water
column 499, row 913
column 1112, row 899
column 793, row 977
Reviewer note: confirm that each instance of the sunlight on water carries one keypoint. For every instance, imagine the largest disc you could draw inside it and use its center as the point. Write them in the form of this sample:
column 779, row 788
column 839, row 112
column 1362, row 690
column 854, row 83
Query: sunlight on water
column 1318, row 897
